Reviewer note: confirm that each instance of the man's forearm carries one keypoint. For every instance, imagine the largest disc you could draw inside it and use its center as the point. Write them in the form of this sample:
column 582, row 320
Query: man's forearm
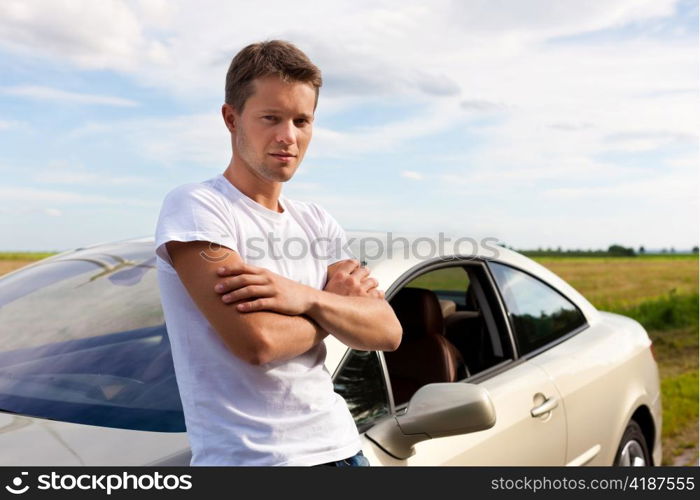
column 345, row 308
column 285, row 337
column 359, row 322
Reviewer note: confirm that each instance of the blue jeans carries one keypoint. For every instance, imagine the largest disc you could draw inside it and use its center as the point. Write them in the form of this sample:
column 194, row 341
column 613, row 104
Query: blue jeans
column 358, row 460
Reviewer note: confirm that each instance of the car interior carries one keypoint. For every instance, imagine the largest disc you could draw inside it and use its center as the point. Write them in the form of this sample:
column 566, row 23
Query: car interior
column 450, row 331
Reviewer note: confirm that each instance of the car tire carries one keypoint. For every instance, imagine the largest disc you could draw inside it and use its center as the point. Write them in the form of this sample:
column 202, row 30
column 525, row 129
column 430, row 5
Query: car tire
column 633, row 451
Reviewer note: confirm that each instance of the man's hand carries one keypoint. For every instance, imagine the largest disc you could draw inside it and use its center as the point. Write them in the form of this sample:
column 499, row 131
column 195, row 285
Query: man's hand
column 349, row 278
column 262, row 289
column 257, row 289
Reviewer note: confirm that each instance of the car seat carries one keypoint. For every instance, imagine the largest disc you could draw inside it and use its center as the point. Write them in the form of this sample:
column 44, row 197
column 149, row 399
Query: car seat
column 425, row 356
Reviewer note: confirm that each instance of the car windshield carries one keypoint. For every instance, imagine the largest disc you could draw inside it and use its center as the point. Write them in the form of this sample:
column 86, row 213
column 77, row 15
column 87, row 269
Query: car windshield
column 82, row 339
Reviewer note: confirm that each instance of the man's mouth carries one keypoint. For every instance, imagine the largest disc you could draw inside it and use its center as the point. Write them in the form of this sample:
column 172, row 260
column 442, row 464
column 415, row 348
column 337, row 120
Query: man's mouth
column 284, row 157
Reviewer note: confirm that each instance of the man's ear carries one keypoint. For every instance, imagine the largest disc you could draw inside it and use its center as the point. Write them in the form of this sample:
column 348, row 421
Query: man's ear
column 229, row 115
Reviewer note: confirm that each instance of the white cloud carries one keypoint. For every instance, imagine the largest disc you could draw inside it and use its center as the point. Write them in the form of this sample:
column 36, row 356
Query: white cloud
column 409, row 174
column 94, row 35
column 687, row 161
column 50, row 94
column 33, row 195
column 83, row 178
column 648, row 140
column 547, row 18
column 482, row 105
column 6, row 124
column 679, row 187
column 199, row 139
column 59, row 172
column 575, row 105
column 389, row 137
column 571, row 126
column 53, row 212
column 13, row 125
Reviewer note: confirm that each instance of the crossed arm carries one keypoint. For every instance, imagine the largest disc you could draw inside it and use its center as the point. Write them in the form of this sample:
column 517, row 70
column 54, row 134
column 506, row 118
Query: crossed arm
column 264, row 317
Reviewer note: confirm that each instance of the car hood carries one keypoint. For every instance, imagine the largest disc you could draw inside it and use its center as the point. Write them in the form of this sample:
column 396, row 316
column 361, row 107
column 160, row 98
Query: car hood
column 66, row 444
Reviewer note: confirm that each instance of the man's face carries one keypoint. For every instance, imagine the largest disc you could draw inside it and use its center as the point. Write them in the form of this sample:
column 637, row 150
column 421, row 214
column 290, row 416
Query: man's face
column 272, row 133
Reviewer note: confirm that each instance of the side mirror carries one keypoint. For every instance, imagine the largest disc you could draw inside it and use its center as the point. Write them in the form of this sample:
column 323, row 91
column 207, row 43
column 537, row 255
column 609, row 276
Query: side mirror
column 435, row 410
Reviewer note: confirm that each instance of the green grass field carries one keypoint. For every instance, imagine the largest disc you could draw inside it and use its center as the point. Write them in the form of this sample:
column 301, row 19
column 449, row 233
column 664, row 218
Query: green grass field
column 661, row 292
column 30, row 256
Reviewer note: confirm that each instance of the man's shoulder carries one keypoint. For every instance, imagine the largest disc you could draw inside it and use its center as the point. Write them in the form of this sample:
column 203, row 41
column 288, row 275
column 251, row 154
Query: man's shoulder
column 193, row 212
column 205, row 190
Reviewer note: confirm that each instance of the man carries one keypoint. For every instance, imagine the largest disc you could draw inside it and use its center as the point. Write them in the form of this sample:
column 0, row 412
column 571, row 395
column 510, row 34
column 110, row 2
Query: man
column 246, row 320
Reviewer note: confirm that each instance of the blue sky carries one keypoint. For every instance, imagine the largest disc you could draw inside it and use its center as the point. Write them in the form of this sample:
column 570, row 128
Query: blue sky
column 541, row 123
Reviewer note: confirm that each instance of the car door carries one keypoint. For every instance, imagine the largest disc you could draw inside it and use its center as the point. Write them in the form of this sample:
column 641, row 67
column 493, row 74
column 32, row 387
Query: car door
column 586, row 362
column 518, row 438
column 549, row 330
column 594, row 384
column 516, row 387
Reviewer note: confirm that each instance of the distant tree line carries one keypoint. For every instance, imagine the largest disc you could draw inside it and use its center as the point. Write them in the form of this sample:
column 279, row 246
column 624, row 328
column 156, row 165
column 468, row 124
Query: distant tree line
column 614, row 250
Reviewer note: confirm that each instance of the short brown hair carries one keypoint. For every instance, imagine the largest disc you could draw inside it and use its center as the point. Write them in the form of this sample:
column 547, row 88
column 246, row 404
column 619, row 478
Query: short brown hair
column 273, row 57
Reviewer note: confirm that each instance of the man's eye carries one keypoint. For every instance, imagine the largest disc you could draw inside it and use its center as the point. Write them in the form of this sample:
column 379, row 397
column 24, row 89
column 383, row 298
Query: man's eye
column 301, row 121
column 269, row 118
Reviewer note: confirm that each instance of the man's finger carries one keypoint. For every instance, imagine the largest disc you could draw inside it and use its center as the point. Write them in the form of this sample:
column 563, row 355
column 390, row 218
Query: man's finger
column 361, row 272
column 348, row 265
column 368, row 284
column 230, row 270
column 255, row 305
column 229, row 284
column 242, row 268
column 248, row 292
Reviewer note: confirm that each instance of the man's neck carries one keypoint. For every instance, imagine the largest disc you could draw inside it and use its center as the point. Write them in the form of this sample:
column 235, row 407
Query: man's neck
column 261, row 191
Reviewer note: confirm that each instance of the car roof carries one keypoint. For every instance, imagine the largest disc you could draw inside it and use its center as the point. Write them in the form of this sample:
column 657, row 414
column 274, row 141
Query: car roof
column 389, row 261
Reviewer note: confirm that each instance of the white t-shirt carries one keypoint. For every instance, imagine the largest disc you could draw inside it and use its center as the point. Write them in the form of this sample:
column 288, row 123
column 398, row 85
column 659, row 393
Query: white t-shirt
column 280, row 413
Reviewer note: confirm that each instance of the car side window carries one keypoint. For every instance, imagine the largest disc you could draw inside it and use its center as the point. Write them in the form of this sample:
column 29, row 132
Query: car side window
column 360, row 380
column 426, row 355
column 449, row 284
column 539, row 314
column 450, row 331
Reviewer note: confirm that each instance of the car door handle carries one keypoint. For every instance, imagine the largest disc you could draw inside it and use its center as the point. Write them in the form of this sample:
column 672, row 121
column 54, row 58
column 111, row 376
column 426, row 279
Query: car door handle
column 546, row 407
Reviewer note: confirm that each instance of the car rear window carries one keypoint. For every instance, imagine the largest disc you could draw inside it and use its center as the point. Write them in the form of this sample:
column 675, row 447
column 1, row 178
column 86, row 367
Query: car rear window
column 539, row 313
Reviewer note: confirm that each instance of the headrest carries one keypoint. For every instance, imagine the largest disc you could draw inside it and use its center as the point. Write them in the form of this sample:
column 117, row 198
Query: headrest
column 448, row 307
column 419, row 312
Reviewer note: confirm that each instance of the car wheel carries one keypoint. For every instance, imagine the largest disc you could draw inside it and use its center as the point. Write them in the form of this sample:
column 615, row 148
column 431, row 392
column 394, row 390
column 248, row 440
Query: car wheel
column 633, row 451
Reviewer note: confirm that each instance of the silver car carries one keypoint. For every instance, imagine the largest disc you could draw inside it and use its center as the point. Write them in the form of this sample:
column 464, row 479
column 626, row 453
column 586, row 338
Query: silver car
column 501, row 363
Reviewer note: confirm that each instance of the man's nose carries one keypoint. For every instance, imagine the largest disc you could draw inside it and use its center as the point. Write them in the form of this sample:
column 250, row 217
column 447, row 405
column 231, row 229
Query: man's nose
column 286, row 132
